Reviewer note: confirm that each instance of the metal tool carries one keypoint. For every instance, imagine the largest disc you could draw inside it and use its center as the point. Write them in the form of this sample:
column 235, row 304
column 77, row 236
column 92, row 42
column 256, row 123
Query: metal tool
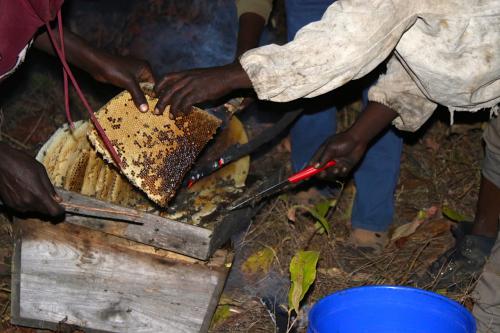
column 293, row 179
column 237, row 151
column 225, row 111
column 78, row 204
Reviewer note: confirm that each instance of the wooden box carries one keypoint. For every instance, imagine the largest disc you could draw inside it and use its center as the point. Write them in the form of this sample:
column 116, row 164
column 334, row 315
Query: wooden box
column 68, row 275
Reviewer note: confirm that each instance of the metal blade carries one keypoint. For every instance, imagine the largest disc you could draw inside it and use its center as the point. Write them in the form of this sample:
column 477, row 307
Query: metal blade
column 259, row 196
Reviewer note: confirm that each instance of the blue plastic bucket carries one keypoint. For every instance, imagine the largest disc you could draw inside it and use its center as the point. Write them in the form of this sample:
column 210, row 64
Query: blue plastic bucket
column 389, row 309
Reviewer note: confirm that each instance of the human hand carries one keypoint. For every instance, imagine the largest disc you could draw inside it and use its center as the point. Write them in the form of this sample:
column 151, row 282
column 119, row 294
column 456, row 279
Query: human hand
column 124, row 72
column 184, row 89
column 345, row 149
column 24, row 184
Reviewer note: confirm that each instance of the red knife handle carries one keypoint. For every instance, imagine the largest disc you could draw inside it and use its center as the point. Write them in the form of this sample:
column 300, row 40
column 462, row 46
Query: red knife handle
column 309, row 172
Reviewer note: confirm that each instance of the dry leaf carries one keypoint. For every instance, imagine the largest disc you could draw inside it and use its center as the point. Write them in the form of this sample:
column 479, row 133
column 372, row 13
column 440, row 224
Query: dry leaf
column 291, row 214
column 408, row 229
column 259, row 262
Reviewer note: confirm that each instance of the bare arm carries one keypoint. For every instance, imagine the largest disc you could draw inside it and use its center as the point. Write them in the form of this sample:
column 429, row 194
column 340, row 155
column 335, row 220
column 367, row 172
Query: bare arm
column 124, row 72
column 250, row 29
column 349, row 147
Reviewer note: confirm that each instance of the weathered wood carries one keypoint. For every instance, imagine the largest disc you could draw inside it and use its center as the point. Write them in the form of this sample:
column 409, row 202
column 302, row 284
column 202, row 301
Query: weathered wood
column 66, row 273
column 78, row 204
column 156, row 231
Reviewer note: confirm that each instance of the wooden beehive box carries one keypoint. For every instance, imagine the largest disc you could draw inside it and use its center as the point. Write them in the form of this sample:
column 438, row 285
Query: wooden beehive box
column 196, row 222
column 109, row 276
column 67, row 275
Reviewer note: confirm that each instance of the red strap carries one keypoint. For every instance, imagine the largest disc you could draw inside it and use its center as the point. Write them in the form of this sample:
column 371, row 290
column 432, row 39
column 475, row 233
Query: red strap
column 65, row 75
column 107, row 143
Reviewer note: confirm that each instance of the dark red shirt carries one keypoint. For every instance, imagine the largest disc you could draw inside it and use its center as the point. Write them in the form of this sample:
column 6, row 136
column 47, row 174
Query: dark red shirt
column 19, row 21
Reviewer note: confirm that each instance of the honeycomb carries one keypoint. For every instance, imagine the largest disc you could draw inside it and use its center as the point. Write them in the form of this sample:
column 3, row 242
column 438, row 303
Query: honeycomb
column 72, row 164
column 81, row 169
column 156, row 152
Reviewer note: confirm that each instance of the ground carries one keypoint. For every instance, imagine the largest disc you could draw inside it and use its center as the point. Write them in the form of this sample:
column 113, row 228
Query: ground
column 440, row 168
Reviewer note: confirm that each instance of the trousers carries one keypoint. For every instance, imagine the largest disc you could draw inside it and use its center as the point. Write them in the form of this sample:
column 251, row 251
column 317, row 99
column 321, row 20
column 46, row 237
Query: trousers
column 377, row 175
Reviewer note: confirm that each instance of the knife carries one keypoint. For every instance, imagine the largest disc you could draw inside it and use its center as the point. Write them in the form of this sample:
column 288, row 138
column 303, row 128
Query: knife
column 78, row 204
column 225, row 111
column 273, row 189
column 237, row 151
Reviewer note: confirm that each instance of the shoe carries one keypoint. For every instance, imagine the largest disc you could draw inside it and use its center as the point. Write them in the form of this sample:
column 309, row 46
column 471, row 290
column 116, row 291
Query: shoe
column 369, row 241
column 463, row 263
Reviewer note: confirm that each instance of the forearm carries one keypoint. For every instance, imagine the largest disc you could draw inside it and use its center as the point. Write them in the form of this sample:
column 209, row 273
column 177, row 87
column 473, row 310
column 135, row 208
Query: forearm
column 373, row 120
column 251, row 26
column 78, row 51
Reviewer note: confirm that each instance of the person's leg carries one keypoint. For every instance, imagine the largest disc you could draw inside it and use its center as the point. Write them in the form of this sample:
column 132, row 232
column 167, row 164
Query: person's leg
column 473, row 247
column 487, row 294
column 487, row 291
column 308, row 133
column 488, row 205
column 318, row 122
column 376, row 179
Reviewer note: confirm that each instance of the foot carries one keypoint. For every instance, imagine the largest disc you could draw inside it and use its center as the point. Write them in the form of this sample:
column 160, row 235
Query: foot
column 464, row 262
column 370, row 241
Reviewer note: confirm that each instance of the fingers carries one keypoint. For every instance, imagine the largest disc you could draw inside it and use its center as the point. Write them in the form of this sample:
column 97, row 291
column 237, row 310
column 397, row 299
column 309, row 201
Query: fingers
column 181, row 103
column 330, row 150
column 138, row 96
column 167, row 80
column 172, row 93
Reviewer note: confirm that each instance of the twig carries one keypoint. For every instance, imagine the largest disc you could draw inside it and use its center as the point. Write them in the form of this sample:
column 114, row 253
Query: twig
column 309, row 240
column 35, row 127
column 15, row 142
column 407, row 275
column 5, row 307
column 290, row 325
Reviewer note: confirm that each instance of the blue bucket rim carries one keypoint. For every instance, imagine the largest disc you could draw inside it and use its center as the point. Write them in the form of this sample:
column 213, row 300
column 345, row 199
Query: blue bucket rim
column 352, row 290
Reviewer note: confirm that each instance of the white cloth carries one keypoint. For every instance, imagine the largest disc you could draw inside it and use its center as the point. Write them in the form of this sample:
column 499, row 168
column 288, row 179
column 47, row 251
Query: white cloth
column 20, row 59
column 442, row 52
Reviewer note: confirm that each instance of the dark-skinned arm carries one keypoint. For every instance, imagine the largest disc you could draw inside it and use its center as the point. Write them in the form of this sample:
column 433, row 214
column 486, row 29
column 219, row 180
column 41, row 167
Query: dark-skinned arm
column 347, row 148
column 251, row 26
column 184, row 89
column 123, row 72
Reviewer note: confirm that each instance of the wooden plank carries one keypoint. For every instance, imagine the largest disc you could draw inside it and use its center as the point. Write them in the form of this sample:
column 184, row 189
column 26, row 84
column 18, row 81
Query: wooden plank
column 156, row 231
column 85, row 278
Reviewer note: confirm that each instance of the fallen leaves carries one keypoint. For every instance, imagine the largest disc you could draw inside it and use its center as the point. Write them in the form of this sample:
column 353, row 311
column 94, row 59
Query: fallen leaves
column 302, row 276
column 401, row 233
column 319, row 212
column 259, row 262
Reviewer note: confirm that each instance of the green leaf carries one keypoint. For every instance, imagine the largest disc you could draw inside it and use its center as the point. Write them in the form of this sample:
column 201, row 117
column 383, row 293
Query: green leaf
column 319, row 213
column 322, row 207
column 302, row 276
column 453, row 215
column 322, row 220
